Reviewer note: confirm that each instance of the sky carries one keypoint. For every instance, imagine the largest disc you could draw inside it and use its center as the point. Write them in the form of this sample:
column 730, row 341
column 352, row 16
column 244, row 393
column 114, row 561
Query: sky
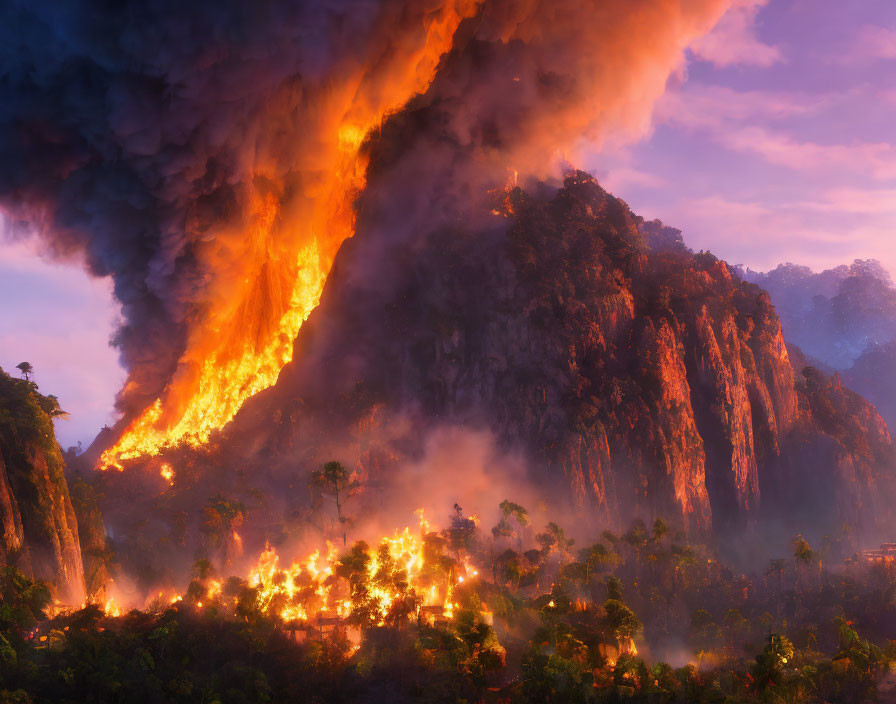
column 775, row 142
column 59, row 319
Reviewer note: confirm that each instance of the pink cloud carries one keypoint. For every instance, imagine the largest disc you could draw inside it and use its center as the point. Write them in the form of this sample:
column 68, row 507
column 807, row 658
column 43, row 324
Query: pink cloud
column 704, row 106
column 734, row 40
column 60, row 319
column 875, row 159
column 871, row 43
column 876, row 201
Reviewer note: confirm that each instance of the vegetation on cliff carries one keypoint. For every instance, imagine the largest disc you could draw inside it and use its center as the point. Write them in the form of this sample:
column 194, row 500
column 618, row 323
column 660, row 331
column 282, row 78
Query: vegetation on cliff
column 40, row 528
column 637, row 376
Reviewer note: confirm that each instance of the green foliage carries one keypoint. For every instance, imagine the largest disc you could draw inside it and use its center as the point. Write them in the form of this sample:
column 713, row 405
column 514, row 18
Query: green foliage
column 541, row 631
column 22, row 600
column 621, row 620
column 513, row 519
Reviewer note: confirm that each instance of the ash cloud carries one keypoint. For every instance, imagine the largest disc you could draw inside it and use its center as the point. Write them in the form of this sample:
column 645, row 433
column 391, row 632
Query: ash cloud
column 139, row 131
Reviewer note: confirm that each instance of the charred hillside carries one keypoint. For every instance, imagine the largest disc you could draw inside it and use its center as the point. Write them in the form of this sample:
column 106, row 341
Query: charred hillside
column 40, row 530
column 638, row 377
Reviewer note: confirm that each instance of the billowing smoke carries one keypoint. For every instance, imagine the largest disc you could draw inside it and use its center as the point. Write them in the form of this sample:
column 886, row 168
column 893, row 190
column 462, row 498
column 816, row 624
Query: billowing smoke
column 206, row 155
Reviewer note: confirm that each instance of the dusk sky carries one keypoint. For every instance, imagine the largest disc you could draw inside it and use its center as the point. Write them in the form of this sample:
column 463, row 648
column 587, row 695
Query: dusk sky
column 775, row 142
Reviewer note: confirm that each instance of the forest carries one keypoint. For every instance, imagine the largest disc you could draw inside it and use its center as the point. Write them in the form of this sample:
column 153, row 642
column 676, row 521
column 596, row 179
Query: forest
column 642, row 616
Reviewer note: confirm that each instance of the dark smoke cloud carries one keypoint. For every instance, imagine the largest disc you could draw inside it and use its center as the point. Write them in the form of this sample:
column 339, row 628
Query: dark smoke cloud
column 132, row 133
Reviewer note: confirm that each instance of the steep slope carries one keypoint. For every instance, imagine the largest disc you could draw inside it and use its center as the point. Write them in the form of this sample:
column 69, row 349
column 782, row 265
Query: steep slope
column 631, row 375
column 40, row 532
column 637, row 380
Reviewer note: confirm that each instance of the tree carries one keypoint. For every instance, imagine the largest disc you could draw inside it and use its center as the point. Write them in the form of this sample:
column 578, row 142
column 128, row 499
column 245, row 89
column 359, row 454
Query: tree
column 335, row 480
column 622, row 621
column 802, row 551
column 511, row 514
column 462, row 533
column 659, row 529
column 772, row 663
column 594, row 556
column 220, row 519
column 803, row 556
column 554, row 537
column 26, row 369
column 50, row 406
column 637, row 535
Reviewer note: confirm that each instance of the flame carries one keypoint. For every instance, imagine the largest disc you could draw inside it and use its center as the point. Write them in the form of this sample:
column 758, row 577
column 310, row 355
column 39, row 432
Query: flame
column 111, row 608
column 167, row 473
column 312, row 587
column 269, row 276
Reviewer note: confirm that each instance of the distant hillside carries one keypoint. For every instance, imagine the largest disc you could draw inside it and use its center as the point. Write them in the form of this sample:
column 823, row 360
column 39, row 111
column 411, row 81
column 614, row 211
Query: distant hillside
column 842, row 319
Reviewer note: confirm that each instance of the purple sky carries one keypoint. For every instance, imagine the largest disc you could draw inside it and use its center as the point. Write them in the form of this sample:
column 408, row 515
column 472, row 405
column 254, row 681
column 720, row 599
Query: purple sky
column 776, row 142
column 60, row 319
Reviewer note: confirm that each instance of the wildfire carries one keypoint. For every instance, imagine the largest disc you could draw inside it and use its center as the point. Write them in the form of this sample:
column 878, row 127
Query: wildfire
column 400, row 574
column 270, row 275
column 167, row 473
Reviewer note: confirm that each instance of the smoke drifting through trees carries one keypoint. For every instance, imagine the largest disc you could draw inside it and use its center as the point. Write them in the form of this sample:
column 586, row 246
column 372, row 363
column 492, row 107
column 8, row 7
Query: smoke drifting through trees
column 190, row 151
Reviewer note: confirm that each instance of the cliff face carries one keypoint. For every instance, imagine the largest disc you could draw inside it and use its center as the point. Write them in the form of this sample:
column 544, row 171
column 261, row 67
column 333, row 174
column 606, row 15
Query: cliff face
column 641, row 379
column 40, row 532
column 92, row 535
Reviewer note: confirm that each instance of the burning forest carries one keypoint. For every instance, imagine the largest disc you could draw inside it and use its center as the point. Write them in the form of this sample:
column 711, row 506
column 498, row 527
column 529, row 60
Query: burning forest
column 414, row 408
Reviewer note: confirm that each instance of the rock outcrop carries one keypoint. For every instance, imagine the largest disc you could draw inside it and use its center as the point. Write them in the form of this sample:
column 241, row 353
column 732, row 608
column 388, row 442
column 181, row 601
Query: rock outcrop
column 643, row 380
column 40, row 531
column 635, row 378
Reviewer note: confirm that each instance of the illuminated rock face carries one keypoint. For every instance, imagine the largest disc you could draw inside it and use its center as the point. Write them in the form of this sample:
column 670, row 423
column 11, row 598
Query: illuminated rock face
column 40, row 531
column 638, row 376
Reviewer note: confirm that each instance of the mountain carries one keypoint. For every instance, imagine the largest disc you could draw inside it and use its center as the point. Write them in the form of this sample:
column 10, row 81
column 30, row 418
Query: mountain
column 40, row 530
column 635, row 376
column 843, row 319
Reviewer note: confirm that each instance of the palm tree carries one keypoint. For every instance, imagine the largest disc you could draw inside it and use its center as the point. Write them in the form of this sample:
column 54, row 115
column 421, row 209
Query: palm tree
column 334, row 479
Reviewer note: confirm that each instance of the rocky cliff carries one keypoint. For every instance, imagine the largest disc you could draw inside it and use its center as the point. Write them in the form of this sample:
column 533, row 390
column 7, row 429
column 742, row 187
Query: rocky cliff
column 633, row 376
column 638, row 377
column 40, row 532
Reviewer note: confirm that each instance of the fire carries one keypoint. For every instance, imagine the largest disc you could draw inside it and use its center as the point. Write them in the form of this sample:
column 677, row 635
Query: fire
column 167, row 473
column 402, row 576
column 111, row 608
column 269, row 275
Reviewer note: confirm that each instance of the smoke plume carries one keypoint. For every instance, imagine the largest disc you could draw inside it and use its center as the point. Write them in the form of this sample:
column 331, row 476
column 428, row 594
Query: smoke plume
column 207, row 155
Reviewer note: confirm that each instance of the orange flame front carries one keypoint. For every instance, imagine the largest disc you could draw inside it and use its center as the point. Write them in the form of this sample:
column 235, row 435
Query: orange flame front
column 268, row 276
